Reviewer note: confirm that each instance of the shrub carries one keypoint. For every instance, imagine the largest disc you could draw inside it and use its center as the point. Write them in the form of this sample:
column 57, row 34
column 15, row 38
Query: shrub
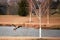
column 23, row 9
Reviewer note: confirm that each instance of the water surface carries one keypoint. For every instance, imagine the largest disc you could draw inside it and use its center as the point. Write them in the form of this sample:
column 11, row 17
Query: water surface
column 50, row 33
column 8, row 31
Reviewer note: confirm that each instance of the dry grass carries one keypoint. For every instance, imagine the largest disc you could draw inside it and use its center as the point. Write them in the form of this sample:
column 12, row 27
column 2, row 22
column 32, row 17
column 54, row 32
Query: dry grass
column 18, row 20
column 19, row 38
column 29, row 38
column 24, row 21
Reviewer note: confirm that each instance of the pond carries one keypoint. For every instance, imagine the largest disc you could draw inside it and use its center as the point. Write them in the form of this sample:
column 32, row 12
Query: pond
column 50, row 33
column 8, row 31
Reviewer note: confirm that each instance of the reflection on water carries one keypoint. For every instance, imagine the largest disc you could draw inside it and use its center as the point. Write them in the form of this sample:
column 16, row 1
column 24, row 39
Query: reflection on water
column 50, row 33
column 8, row 31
